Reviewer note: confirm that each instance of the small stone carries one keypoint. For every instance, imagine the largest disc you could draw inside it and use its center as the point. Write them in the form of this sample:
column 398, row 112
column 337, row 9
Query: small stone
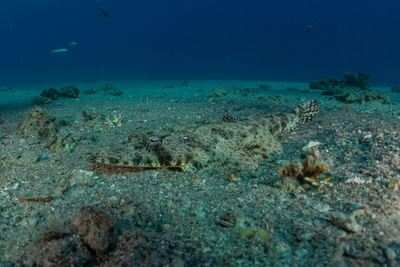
column 218, row 93
column 305, row 237
column 28, row 158
column 83, row 177
column 301, row 252
column 347, row 222
column 390, row 254
column 32, row 221
column 281, row 247
column 233, row 178
column 113, row 202
column 311, row 145
column 394, row 184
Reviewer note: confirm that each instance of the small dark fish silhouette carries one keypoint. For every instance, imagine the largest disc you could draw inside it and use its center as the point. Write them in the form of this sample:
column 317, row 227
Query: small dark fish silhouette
column 310, row 27
column 104, row 11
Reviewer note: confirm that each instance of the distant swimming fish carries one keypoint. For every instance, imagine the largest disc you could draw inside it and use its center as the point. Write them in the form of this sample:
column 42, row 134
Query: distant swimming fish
column 104, row 12
column 310, row 27
column 59, row 50
column 73, row 43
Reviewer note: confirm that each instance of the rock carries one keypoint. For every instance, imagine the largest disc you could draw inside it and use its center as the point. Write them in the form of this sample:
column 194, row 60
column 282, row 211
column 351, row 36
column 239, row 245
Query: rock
column 310, row 146
column 326, row 84
column 113, row 202
column 301, row 252
column 90, row 91
column 347, row 222
column 5, row 89
column 354, row 80
column 47, row 96
column 395, row 89
column 84, row 178
column 264, row 86
column 218, row 93
column 50, row 94
column 361, row 98
column 390, row 254
column 38, row 126
column 28, row 158
column 39, row 100
column 96, row 228
column 58, row 251
column 109, row 89
column 358, row 80
column 69, row 92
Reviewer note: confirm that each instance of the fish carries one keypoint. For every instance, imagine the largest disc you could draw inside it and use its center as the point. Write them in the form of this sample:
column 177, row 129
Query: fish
column 59, row 50
column 244, row 143
column 73, row 43
column 104, row 12
column 310, row 27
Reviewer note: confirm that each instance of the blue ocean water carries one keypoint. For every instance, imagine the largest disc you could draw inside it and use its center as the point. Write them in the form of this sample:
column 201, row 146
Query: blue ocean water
column 208, row 39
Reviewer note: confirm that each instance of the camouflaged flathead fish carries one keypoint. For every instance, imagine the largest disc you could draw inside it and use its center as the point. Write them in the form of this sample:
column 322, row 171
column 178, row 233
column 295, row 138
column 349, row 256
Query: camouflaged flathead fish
column 244, row 142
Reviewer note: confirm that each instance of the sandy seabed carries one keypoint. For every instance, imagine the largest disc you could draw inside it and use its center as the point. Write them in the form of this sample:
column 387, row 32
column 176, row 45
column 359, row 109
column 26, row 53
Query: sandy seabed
column 211, row 216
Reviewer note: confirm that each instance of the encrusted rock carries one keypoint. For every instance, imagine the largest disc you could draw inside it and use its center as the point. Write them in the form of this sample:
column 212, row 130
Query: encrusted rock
column 38, row 126
column 96, row 228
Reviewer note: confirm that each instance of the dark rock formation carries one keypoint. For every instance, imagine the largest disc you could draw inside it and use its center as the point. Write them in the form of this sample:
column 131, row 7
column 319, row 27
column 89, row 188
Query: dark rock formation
column 38, row 127
column 326, row 84
column 358, row 80
column 49, row 95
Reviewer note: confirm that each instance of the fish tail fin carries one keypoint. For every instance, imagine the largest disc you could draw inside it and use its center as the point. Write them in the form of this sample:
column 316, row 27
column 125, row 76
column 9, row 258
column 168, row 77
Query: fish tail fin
column 307, row 111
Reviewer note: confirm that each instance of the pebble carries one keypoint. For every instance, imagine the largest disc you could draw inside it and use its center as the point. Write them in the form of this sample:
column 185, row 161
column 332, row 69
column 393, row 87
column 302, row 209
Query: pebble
column 390, row 254
column 346, row 222
column 310, row 145
column 28, row 157
column 301, row 252
column 113, row 202
column 305, row 237
column 282, row 247
column 83, row 177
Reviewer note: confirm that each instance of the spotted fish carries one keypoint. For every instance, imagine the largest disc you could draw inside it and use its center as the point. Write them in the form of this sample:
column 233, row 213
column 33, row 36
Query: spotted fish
column 243, row 142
